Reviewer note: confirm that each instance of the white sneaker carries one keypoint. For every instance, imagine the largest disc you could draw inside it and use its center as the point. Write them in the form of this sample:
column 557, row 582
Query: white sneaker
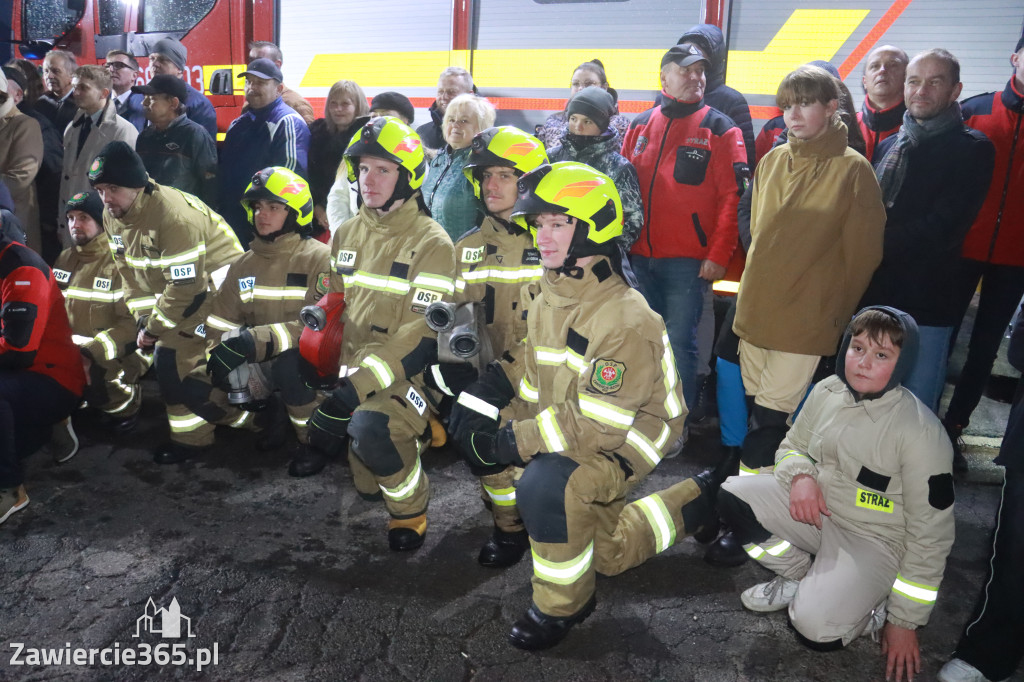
column 957, row 670
column 12, row 500
column 770, row 596
column 63, row 443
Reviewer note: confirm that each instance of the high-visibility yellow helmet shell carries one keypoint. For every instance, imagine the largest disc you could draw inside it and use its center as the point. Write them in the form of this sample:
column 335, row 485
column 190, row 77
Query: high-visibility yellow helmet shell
column 390, row 139
column 283, row 186
column 573, row 189
column 505, row 146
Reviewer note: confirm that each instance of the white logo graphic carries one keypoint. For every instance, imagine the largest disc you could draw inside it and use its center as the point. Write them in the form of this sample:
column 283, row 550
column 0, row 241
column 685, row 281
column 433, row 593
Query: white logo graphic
column 164, row 622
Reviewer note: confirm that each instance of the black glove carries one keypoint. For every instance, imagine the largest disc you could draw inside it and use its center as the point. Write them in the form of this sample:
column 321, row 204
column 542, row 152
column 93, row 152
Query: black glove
column 313, row 379
column 451, row 378
column 329, row 424
column 229, row 354
column 492, row 388
column 506, row 451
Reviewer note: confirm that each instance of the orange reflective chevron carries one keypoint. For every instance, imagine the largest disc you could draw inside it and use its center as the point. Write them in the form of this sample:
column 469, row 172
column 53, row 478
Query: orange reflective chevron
column 521, row 148
column 578, row 189
column 408, row 144
column 294, row 187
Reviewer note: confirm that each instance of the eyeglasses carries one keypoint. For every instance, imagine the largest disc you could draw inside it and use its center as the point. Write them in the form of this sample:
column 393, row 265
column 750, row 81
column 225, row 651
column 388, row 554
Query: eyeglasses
column 117, row 66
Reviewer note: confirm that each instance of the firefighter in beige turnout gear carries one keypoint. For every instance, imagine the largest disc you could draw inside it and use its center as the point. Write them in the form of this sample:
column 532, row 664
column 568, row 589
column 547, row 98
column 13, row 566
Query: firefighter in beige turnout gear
column 863, row 482
column 595, row 411
column 102, row 326
column 166, row 244
column 391, row 260
column 259, row 303
column 495, row 262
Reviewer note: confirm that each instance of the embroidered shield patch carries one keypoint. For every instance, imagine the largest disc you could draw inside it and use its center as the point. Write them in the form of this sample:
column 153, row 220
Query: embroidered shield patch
column 607, row 376
column 323, row 282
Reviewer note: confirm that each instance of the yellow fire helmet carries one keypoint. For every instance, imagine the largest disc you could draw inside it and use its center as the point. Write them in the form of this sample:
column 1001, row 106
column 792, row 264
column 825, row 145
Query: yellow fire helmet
column 576, row 190
column 390, row 139
column 505, row 146
column 283, row 186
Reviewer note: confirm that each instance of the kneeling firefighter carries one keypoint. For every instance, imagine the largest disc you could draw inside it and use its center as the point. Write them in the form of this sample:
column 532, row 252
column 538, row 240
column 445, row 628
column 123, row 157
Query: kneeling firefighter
column 597, row 407
column 256, row 310
column 391, row 261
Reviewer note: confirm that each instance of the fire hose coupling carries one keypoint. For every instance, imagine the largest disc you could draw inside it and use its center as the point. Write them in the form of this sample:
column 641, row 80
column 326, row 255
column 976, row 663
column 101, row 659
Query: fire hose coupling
column 461, row 332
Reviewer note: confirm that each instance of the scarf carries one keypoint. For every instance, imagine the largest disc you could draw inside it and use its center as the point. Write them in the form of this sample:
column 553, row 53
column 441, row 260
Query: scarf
column 892, row 168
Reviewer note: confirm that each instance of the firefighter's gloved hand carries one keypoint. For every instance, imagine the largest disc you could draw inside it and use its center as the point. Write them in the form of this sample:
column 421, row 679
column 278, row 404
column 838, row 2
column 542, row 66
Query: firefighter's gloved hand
column 451, row 378
column 229, row 354
column 506, row 451
column 486, row 396
column 329, row 424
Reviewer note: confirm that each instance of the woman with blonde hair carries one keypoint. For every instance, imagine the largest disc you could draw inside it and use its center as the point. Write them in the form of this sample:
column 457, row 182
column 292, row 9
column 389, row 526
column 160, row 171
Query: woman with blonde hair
column 345, row 110
column 448, row 194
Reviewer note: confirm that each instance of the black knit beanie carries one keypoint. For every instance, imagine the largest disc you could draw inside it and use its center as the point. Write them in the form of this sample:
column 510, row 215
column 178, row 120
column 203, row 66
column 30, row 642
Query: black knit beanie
column 118, row 164
column 88, row 203
column 595, row 103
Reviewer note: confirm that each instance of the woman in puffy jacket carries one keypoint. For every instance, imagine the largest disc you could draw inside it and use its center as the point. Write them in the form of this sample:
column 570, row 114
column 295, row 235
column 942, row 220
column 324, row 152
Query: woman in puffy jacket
column 591, row 138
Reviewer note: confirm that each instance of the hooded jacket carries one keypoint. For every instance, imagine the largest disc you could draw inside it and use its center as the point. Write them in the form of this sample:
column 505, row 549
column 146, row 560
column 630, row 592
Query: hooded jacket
column 816, row 222
column 997, row 235
column 604, row 155
column 892, row 482
column 717, row 94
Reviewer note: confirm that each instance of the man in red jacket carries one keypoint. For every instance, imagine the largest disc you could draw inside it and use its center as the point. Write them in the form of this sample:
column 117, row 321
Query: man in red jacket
column 885, row 70
column 692, row 166
column 993, row 250
column 41, row 375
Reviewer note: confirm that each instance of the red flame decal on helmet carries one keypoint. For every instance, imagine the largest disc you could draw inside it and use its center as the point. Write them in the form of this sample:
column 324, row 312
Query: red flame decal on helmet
column 293, row 187
column 408, row 144
column 578, row 189
column 521, row 148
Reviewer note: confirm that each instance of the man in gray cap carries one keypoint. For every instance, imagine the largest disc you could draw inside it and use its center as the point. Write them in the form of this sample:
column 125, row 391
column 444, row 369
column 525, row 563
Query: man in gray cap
column 268, row 133
column 169, row 57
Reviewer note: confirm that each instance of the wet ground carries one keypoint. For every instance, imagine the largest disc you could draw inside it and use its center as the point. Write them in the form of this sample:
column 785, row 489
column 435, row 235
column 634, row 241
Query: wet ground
column 288, row 579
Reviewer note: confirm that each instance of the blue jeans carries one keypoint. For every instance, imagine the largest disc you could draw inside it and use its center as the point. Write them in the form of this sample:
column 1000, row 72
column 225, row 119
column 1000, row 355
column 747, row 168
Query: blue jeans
column 674, row 291
column 732, row 403
column 928, row 375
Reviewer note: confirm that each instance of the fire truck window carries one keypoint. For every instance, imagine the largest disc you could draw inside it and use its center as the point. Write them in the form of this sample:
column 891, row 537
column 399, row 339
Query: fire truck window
column 48, row 19
column 172, row 15
column 112, row 17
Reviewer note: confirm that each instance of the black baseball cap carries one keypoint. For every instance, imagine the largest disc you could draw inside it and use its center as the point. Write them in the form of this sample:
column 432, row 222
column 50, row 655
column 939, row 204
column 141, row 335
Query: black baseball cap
column 164, row 84
column 263, row 68
column 684, row 54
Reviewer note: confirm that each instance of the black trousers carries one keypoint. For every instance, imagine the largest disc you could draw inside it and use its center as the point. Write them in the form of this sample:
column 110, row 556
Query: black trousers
column 993, row 640
column 1001, row 289
column 30, row 404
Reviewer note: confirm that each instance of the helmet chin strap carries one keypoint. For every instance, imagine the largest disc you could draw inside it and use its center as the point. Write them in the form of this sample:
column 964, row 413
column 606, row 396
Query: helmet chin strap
column 290, row 225
column 402, row 191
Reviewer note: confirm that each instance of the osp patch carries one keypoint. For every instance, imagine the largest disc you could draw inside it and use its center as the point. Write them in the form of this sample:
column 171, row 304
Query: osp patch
column 607, row 376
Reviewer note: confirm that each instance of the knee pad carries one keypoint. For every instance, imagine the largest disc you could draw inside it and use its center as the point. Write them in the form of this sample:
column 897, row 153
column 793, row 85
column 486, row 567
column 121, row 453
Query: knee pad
column 287, row 377
column 370, row 438
column 540, row 497
column 741, row 519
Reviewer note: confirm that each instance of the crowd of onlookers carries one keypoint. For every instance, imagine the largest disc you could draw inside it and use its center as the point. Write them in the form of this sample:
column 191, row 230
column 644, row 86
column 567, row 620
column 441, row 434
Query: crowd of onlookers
column 905, row 205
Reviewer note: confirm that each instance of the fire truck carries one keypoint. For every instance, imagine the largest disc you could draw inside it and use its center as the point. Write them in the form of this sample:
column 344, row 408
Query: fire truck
column 521, row 52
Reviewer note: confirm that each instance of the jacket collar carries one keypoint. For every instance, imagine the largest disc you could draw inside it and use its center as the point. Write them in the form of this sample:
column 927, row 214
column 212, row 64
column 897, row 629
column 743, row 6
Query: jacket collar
column 882, row 119
column 673, row 108
column 832, row 142
column 1012, row 99
column 397, row 221
column 285, row 243
column 96, row 248
column 564, row 291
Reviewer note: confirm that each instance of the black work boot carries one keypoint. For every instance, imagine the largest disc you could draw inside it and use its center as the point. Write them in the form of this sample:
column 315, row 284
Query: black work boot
column 726, row 552
column 729, row 465
column 504, row 549
column 273, row 426
column 307, row 462
column 535, row 630
column 701, row 513
column 407, row 534
column 173, row 453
